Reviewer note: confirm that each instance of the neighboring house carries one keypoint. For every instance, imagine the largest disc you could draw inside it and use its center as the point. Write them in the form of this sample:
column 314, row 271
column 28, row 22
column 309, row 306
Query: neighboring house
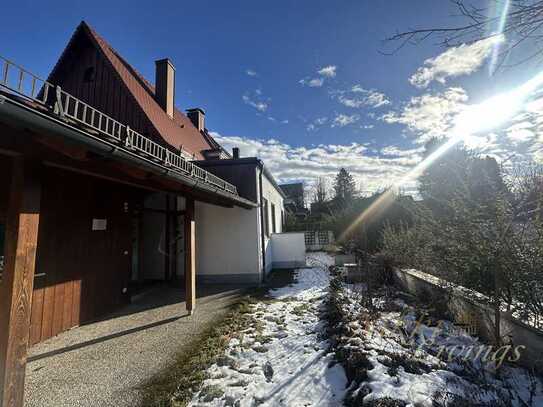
column 255, row 184
column 295, row 201
column 105, row 188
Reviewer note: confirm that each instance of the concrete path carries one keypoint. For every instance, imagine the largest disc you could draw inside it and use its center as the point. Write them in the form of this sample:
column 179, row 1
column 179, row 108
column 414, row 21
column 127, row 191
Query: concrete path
column 103, row 364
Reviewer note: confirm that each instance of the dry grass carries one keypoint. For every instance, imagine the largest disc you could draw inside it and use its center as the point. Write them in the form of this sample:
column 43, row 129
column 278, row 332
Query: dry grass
column 175, row 385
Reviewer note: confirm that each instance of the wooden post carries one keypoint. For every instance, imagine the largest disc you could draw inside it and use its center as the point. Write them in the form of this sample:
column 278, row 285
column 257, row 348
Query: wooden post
column 18, row 279
column 190, row 256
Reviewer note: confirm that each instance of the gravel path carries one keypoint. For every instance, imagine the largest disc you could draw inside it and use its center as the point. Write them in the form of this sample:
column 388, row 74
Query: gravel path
column 102, row 364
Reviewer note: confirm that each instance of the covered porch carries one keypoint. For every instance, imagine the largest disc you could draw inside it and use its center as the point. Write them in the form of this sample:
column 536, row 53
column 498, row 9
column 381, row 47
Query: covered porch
column 108, row 362
column 90, row 213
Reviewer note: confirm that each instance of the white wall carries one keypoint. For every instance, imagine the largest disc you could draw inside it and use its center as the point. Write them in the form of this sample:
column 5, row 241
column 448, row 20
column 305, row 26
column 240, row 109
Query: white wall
column 273, row 196
column 229, row 240
column 227, row 247
column 288, row 250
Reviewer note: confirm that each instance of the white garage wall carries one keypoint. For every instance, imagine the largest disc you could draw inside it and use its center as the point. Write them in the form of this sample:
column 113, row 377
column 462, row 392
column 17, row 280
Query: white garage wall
column 288, row 250
column 227, row 249
column 273, row 196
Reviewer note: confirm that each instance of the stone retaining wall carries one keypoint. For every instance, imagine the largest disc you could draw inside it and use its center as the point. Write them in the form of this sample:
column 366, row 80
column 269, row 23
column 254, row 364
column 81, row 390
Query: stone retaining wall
column 467, row 306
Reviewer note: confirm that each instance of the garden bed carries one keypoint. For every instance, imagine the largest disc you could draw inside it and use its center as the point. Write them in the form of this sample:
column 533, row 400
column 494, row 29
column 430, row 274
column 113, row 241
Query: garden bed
column 398, row 352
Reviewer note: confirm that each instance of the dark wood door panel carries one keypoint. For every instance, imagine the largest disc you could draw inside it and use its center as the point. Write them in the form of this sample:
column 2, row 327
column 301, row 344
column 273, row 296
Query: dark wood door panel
column 83, row 272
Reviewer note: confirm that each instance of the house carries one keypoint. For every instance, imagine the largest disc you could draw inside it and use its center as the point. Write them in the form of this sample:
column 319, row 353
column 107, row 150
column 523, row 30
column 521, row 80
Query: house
column 256, row 184
column 295, row 201
column 107, row 186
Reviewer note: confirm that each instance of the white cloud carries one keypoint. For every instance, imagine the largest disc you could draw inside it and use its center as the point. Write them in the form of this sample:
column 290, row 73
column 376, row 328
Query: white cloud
column 257, row 100
column 456, row 61
column 328, row 71
column 322, row 74
column 312, row 83
column 395, row 151
column 434, row 115
column 351, row 102
column 358, row 97
column 521, row 132
column 251, row 72
column 342, row 120
column 306, row 163
column 376, row 99
column 258, row 105
column 317, row 123
column 430, row 115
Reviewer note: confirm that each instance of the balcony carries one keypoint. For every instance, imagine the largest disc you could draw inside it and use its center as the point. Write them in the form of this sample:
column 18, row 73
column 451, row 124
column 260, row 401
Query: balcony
column 47, row 97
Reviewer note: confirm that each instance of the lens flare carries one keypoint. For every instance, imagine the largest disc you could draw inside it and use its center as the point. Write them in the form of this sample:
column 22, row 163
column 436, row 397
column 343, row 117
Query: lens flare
column 490, row 114
column 499, row 31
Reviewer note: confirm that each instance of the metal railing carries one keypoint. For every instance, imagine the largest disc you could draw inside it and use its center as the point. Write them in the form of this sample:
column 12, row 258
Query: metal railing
column 24, row 83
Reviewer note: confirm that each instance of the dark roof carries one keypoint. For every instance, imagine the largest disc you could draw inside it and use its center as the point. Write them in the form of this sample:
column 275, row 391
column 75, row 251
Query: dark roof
column 178, row 131
column 295, row 189
column 244, row 161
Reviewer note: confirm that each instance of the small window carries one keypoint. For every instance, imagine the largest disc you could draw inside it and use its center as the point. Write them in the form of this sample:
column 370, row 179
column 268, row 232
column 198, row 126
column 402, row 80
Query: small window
column 89, row 74
column 266, row 217
column 274, row 230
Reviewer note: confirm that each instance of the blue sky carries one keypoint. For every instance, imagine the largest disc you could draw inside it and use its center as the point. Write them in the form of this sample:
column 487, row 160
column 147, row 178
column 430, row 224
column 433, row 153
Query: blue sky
column 303, row 84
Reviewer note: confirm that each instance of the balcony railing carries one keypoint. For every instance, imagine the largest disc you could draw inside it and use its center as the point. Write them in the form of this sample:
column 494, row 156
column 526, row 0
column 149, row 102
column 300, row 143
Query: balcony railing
column 24, row 83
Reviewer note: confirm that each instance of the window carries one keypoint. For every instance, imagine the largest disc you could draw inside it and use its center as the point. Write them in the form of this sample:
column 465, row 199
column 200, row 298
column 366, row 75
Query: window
column 266, row 217
column 273, row 218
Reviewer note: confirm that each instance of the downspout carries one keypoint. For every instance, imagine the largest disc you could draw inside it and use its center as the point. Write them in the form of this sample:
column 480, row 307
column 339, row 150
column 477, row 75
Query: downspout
column 263, row 238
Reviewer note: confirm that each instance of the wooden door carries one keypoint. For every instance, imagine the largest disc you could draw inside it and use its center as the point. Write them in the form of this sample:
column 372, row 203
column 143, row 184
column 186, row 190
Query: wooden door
column 82, row 271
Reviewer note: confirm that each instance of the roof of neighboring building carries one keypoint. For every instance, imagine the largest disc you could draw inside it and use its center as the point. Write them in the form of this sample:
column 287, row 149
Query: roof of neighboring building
column 295, row 189
column 178, row 131
column 245, row 161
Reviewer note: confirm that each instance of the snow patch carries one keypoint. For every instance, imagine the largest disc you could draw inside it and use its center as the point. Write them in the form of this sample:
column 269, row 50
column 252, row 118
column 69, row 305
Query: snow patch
column 281, row 360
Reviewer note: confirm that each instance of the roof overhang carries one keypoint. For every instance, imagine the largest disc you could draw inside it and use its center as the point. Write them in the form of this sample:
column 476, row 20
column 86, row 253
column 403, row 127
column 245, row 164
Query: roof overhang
column 245, row 161
column 18, row 113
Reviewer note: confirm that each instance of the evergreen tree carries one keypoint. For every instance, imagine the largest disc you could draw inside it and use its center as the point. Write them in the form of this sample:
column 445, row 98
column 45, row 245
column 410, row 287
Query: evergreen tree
column 344, row 187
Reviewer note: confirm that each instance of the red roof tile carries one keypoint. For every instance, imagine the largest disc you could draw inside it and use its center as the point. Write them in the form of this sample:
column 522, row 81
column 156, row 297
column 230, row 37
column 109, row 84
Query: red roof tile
column 178, row 131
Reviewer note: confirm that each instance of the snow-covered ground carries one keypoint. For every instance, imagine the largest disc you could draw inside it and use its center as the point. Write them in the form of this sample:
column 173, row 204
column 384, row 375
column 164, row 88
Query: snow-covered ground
column 407, row 366
column 281, row 360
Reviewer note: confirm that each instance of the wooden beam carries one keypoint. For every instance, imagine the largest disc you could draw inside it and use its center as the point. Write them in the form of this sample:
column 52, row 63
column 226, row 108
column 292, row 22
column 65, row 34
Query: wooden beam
column 18, row 279
column 190, row 256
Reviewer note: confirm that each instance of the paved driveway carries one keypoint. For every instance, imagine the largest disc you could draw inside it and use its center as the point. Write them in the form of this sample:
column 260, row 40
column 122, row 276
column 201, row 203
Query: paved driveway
column 103, row 363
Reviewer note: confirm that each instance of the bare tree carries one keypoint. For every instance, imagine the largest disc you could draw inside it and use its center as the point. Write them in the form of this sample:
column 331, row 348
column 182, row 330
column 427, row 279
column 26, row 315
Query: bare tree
column 521, row 21
column 320, row 193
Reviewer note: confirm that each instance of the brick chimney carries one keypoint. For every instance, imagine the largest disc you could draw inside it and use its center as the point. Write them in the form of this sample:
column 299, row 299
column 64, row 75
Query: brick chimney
column 198, row 117
column 165, row 85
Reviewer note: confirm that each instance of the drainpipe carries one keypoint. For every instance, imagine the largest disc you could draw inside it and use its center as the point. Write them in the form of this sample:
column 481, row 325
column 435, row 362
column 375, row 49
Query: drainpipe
column 261, row 167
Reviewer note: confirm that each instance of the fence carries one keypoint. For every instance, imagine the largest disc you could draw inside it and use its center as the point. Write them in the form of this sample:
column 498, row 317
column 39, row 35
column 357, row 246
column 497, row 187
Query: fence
column 18, row 81
column 316, row 240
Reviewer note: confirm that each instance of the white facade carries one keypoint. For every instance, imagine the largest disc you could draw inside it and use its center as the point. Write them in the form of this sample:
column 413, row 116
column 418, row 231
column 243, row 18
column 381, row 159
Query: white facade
column 273, row 207
column 288, row 250
column 227, row 247
column 229, row 240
